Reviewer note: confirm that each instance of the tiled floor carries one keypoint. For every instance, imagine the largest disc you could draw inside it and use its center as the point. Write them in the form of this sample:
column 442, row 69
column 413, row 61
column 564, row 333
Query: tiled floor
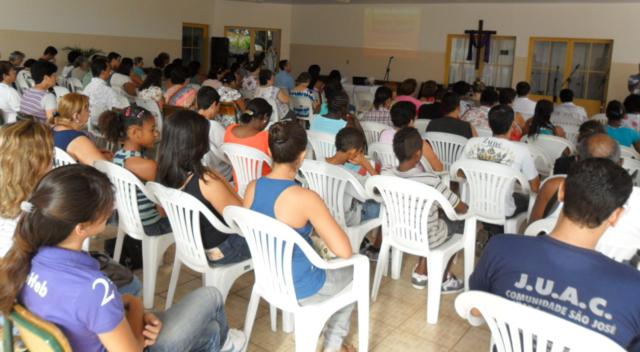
column 398, row 317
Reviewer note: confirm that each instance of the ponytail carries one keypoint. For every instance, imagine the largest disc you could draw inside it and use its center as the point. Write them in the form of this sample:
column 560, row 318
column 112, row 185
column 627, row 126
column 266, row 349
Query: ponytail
column 113, row 124
column 64, row 198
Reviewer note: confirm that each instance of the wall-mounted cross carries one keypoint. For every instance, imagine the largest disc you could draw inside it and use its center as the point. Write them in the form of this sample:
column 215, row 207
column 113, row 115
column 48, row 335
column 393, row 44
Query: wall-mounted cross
column 479, row 38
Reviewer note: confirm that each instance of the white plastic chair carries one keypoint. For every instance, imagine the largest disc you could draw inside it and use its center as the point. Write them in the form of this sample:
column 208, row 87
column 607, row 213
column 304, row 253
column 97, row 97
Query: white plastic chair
column 153, row 107
column 553, row 146
column 302, row 106
column 484, row 132
column 534, row 196
column 24, row 81
column 545, row 225
column 60, row 92
column 275, row 113
column 323, row 144
column 601, row 117
column 363, row 100
column 566, row 118
column 488, row 185
column 331, row 183
column 629, row 152
column 183, row 211
column 383, row 153
column 372, row 131
column 74, row 85
column 516, row 327
column 633, row 167
column 540, row 159
column 618, row 245
column 247, row 163
column 405, row 229
column 62, row 158
column 153, row 247
column 447, row 146
column 271, row 244
column 571, row 132
column 421, row 125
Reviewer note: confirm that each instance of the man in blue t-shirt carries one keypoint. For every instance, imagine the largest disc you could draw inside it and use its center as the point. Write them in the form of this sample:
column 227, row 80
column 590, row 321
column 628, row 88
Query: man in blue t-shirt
column 561, row 273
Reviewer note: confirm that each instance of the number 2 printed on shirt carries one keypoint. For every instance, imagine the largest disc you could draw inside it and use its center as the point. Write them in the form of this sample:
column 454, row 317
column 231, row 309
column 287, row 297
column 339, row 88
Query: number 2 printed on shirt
column 107, row 296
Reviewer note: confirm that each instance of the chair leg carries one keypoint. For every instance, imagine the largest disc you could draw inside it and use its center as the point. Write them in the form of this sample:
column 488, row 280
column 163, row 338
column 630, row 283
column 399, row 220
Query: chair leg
column 252, row 310
column 383, row 258
column 469, row 250
column 437, row 266
column 220, row 280
column 273, row 312
column 363, row 322
column 149, row 269
column 7, row 334
column 396, row 263
column 175, row 273
column 117, row 250
column 287, row 322
column 307, row 333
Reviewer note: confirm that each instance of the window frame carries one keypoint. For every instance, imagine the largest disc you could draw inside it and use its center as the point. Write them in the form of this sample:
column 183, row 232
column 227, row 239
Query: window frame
column 205, row 42
column 252, row 35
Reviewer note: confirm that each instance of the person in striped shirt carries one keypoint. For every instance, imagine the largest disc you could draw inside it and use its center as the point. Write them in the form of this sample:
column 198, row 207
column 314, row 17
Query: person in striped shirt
column 38, row 101
column 380, row 112
column 135, row 127
column 407, row 146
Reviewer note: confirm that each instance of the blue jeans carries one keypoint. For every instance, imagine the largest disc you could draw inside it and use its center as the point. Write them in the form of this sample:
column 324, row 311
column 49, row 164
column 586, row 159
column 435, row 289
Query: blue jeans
column 198, row 323
column 234, row 249
column 132, row 288
column 370, row 210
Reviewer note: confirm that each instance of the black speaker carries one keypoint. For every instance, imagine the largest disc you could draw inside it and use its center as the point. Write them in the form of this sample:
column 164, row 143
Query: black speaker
column 219, row 51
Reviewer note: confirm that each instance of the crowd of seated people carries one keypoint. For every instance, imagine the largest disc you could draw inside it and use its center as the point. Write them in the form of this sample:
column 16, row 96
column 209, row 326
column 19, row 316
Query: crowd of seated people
column 46, row 215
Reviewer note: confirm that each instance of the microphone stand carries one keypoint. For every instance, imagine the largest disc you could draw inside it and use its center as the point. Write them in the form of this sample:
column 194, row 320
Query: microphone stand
column 555, row 85
column 388, row 70
column 570, row 77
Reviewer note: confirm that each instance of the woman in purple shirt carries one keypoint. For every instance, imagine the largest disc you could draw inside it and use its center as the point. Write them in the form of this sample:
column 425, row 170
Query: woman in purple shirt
column 46, row 271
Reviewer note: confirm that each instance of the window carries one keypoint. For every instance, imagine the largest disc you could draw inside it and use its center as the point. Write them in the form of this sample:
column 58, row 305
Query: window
column 498, row 72
column 579, row 64
column 195, row 43
column 254, row 43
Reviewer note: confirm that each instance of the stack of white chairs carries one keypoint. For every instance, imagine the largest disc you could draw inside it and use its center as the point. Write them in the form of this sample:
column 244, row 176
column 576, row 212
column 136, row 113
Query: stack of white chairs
column 405, row 229
column 184, row 212
column 247, row 164
column 516, row 327
column 322, row 144
column 153, row 247
column 332, row 182
column 271, row 244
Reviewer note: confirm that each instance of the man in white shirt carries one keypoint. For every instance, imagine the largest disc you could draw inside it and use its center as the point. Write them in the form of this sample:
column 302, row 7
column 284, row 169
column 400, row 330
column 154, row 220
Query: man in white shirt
column 208, row 101
column 9, row 97
column 101, row 96
column 522, row 104
column 568, row 113
column 501, row 150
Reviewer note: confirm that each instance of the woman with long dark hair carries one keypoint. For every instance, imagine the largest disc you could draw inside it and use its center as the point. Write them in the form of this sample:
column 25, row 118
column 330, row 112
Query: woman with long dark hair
column 541, row 123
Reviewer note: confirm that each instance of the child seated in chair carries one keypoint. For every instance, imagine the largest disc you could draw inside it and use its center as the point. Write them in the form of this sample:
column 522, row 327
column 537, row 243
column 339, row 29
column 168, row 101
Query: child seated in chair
column 407, row 146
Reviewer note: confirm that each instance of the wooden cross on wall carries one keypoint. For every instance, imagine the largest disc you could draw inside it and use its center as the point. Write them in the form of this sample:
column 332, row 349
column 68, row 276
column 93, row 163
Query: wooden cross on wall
column 481, row 36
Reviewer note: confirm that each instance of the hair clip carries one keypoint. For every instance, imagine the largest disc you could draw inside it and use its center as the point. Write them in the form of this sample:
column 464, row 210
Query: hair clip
column 249, row 112
column 26, row 206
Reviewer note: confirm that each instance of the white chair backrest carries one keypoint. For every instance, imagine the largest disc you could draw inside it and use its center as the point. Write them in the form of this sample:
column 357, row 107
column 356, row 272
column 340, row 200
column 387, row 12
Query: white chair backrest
column 372, row 131
column 246, row 162
column 74, row 84
column 516, row 327
column 183, row 211
column 62, row 158
column 602, row 118
column 629, row 152
column 571, row 132
column 24, row 81
column 484, row 132
column 540, row 158
column 154, row 108
column 564, row 117
column 330, row 182
column 618, row 245
column 421, row 125
column 489, row 185
column 275, row 114
column 545, row 225
column 448, row 147
column 553, row 146
column 60, row 92
column 633, row 167
column 384, row 154
column 126, row 185
column 406, row 208
column 301, row 105
column 271, row 244
column 323, row 144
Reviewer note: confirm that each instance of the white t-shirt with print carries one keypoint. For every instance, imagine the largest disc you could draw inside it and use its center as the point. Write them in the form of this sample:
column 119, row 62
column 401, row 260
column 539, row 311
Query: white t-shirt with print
column 505, row 152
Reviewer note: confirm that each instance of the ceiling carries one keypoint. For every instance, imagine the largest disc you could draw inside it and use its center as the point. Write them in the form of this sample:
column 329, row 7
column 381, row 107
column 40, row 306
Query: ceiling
column 326, row 2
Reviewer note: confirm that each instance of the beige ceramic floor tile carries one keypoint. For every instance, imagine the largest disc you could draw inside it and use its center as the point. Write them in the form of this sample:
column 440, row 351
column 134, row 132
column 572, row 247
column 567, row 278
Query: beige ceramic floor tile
column 401, row 341
column 475, row 339
column 447, row 332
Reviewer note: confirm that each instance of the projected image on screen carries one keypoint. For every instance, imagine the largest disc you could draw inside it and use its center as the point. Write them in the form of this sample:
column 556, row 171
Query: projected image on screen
column 392, row 28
